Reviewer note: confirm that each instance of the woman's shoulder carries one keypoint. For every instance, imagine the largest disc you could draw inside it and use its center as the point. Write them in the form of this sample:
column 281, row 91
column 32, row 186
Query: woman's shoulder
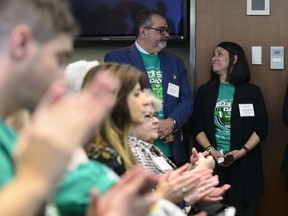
column 207, row 87
column 249, row 87
column 108, row 156
column 137, row 143
column 107, row 152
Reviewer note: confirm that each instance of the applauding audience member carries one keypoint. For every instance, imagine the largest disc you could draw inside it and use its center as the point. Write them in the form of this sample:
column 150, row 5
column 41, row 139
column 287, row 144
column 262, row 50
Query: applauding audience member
column 201, row 184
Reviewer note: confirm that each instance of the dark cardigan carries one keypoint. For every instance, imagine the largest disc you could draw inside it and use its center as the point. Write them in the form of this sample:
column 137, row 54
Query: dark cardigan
column 245, row 175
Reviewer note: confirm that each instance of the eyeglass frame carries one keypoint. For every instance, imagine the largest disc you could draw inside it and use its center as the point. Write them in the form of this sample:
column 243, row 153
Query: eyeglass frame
column 161, row 30
column 150, row 116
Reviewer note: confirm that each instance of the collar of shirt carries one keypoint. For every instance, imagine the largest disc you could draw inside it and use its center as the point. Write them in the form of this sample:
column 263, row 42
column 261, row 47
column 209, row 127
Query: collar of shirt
column 140, row 49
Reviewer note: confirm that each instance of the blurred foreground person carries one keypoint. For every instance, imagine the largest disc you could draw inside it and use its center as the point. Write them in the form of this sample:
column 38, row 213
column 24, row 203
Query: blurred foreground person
column 73, row 193
column 32, row 59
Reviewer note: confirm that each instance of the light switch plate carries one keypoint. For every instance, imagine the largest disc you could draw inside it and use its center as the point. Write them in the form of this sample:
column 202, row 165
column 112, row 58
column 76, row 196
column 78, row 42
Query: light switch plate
column 256, row 55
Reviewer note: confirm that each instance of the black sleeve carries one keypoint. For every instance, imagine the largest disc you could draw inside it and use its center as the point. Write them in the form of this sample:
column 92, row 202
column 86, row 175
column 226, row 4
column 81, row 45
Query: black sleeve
column 285, row 108
column 261, row 118
column 197, row 115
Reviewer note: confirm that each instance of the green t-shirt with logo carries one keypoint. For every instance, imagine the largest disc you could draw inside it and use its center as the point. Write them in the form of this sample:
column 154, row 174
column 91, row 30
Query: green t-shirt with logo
column 222, row 116
column 153, row 68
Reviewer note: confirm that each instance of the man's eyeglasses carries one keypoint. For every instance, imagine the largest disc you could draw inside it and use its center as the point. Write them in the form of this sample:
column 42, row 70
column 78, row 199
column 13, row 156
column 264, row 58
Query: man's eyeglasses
column 150, row 116
column 161, row 30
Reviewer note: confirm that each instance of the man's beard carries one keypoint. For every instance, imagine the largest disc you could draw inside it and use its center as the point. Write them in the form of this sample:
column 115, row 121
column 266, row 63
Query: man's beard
column 162, row 44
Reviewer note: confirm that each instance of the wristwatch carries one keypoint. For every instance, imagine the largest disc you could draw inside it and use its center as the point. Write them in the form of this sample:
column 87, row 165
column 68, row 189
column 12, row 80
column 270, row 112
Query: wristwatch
column 175, row 124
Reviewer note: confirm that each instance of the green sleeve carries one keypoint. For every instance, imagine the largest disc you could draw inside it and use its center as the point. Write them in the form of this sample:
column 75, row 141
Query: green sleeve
column 7, row 143
column 73, row 193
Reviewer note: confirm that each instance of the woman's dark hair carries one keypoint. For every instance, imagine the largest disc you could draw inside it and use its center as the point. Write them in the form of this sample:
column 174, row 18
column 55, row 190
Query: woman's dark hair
column 239, row 72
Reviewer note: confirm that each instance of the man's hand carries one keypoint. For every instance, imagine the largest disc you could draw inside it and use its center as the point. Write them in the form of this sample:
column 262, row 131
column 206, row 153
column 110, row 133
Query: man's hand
column 169, row 138
column 166, row 127
column 60, row 124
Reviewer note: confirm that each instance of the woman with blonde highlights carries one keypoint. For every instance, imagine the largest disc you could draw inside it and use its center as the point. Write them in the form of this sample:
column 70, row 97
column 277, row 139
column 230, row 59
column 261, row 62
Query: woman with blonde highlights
column 111, row 143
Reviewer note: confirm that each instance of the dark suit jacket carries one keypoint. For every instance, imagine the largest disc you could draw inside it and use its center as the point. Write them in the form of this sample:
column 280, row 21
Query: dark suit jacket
column 174, row 71
column 245, row 175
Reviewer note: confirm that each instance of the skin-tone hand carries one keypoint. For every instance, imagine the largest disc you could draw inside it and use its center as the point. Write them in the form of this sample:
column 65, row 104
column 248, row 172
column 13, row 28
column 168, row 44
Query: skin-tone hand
column 202, row 139
column 130, row 197
column 169, row 138
column 170, row 187
column 45, row 145
column 205, row 162
column 237, row 154
column 195, row 157
column 171, row 184
column 206, row 186
column 78, row 156
column 202, row 213
column 250, row 144
column 59, row 116
column 166, row 127
column 201, row 160
column 216, row 194
column 216, row 154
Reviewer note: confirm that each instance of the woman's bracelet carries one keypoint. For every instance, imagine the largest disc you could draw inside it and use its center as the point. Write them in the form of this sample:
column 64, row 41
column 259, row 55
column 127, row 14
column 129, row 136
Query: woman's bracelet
column 209, row 149
column 246, row 149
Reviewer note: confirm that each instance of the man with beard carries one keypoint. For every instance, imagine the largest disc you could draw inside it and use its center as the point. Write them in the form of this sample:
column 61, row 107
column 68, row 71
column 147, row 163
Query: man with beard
column 167, row 78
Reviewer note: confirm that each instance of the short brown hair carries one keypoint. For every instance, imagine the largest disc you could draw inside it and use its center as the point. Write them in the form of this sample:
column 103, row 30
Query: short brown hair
column 144, row 18
column 46, row 18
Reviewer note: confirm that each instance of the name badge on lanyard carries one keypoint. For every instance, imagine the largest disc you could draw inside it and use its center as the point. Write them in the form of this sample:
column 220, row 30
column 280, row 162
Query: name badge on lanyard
column 162, row 164
column 246, row 110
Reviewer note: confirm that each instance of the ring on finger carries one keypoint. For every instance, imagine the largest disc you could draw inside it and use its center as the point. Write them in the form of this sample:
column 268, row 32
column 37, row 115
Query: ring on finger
column 202, row 189
column 184, row 190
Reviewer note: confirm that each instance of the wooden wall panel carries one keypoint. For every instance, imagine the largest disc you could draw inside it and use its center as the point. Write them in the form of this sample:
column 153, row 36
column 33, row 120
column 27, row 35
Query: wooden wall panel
column 226, row 20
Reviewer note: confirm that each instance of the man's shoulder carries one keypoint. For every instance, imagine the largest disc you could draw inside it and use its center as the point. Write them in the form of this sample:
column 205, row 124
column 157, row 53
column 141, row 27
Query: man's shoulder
column 122, row 50
column 170, row 55
column 120, row 55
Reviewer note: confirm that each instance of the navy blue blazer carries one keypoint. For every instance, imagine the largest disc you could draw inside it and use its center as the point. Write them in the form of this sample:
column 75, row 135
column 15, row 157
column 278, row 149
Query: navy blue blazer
column 174, row 72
